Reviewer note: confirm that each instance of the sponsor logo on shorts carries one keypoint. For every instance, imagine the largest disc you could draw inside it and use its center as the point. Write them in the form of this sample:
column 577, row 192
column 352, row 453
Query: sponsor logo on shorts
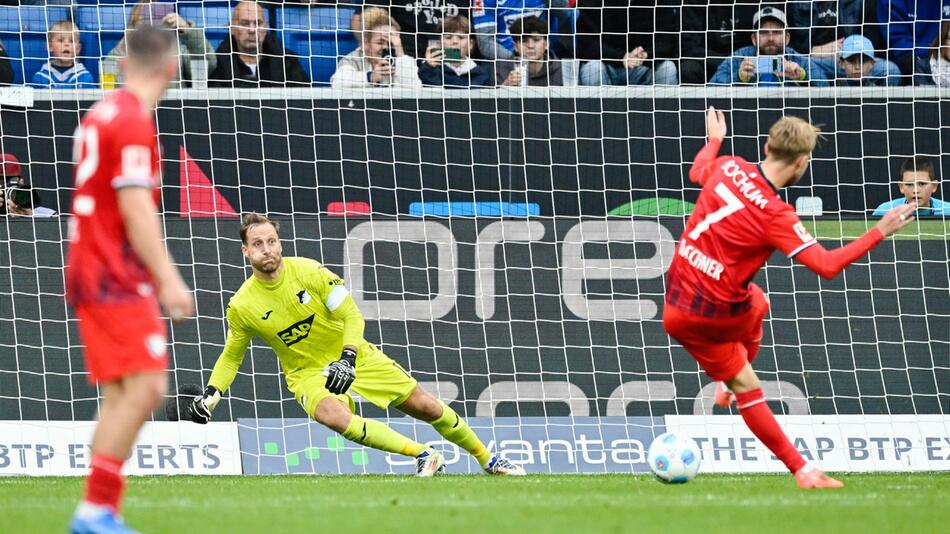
column 155, row 344
column 296, row 332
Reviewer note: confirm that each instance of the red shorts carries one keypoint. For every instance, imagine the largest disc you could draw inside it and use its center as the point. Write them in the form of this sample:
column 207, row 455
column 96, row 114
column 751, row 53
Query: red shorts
column 721, row 345
column 122, row 339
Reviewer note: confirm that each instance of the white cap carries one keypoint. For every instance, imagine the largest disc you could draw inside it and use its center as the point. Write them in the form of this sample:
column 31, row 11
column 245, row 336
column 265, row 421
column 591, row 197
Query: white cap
column 769, row 13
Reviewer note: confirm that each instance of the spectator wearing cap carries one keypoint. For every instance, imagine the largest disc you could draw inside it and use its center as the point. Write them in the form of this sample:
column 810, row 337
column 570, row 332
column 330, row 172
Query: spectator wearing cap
column 18, row 198
column 768, row 60
column 711, row 32
column 856, row 65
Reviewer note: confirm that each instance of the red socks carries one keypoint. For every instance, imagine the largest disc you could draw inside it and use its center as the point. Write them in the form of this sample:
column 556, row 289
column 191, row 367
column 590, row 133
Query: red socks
column 105, row 482
column 758, row 417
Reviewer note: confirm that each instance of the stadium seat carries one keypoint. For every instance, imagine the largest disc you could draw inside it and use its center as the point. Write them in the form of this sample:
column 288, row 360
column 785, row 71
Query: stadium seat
column 214, row 17
column 321, row 35
column 103, row 18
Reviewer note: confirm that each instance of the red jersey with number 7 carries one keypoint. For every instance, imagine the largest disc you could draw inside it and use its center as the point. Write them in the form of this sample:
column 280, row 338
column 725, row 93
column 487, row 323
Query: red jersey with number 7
column 738, row 223
column 115, row 146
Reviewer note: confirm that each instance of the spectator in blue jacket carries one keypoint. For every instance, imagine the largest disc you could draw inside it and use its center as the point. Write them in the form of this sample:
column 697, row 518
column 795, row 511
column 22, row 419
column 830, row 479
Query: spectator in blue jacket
column 909, row 27
column 448, row 63
column 769, row 45
column 857, row 66
column 63, row 71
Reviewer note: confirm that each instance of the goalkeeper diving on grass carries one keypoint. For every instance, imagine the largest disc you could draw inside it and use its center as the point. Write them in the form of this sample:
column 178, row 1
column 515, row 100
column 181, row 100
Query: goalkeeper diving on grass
column 304, row 312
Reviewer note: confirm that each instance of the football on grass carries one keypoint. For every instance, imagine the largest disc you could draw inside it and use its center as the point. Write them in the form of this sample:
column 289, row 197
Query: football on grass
column 674, row 458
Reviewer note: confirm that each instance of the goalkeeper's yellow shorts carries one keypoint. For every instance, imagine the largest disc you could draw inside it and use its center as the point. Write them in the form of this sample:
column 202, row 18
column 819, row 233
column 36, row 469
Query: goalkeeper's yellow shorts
column 379, row 380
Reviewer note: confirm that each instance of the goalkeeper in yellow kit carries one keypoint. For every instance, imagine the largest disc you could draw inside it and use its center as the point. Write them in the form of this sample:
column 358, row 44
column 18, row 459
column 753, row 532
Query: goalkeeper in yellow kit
column 303, row 311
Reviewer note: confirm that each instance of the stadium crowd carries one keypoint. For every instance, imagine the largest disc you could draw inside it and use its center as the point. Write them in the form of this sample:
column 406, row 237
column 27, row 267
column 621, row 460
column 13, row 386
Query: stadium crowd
column 488, row 43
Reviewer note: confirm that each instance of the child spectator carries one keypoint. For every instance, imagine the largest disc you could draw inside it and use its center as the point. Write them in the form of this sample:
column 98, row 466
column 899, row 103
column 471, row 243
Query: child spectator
column 420, row 21
column 918, row 183
column 856, row 65
column 532, row 64
column 63, row 71
column 380, row 59
column 448, row 63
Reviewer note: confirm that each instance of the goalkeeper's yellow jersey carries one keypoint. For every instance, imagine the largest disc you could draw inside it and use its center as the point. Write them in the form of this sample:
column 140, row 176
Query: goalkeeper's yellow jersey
column 306, row 316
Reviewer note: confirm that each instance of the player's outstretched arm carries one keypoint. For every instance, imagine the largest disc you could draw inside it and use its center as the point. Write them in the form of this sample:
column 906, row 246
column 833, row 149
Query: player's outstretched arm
column 703, row 163
column 342, row 373
column 829, row 263
column 145, row 235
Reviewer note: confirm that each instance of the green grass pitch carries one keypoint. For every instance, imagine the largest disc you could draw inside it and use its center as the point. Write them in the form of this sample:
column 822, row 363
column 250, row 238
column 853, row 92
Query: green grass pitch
column 459, row 504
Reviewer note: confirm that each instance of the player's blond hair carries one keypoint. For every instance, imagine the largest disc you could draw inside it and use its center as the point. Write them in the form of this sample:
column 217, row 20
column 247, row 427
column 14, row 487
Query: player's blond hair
column 252, row 218
column 791, row 137
column 62, row 26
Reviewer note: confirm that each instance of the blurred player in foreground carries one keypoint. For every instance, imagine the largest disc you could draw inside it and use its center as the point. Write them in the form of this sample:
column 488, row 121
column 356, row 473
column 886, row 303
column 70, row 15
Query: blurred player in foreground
column 303, row 311
column 712, row 308
column 119, row 271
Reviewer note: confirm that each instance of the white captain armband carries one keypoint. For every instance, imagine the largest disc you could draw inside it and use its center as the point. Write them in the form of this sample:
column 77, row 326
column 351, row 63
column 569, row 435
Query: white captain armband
column 336, row 297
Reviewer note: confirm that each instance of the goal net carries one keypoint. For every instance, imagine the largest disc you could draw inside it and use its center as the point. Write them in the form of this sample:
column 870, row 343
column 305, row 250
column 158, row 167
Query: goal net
column 507, row 246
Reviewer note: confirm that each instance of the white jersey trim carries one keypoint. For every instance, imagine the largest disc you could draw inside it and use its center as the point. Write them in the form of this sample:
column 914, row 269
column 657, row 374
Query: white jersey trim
column 802, row 247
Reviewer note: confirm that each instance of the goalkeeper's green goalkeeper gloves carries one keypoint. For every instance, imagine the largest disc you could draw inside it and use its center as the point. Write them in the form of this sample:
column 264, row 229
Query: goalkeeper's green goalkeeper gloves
column 341, row 373
column 202, row 406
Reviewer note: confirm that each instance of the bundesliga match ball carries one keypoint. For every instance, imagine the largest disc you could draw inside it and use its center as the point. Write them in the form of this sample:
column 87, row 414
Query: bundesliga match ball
column 674, row 458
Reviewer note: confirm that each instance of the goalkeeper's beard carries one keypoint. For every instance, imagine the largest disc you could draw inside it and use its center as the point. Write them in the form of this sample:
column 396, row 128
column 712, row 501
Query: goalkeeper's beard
column 268, row 265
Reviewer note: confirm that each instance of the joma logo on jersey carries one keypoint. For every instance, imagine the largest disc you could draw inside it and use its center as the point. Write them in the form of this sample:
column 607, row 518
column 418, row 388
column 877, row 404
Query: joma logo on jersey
column 296, row 332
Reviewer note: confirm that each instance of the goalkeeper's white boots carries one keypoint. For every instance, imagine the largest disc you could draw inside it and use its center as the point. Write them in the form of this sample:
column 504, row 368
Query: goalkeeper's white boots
column 501, row 466
column 430, row 463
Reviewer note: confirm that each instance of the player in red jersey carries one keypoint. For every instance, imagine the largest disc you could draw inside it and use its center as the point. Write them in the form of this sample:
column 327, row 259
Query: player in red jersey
column 119, row 271
column 712, row 307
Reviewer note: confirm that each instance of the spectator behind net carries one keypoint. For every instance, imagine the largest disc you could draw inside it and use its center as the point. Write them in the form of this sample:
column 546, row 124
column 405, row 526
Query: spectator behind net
column 192, row 44
column 380, row 60
column 63, row 71
column 17, row 196
column 252, row 57
column 628, row 42
column 533, row 65
column 918, row 182
column 768, row 61
column 448, row 62
column 6, row 71
column 711, row 32
column 420, row 21
column 857, row 66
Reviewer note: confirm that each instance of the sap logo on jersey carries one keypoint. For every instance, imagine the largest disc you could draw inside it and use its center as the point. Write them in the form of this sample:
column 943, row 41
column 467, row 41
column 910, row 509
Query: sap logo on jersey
column 296, row 332
column 744, row 183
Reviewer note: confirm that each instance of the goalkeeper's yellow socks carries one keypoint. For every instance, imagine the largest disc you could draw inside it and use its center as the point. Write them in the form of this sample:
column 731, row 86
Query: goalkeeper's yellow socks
column 455, row 429
column 379, row 436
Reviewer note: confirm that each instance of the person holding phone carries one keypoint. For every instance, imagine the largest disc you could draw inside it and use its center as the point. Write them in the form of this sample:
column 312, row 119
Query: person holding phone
column 380, row 61
column 533, row 64
column 447, row 62
column 768, row 60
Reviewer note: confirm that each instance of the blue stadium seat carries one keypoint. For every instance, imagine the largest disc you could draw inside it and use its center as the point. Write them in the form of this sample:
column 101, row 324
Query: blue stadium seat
column 321, row 35
column 23, row 33
column 214, row 17
column 31, row 18
column 103, row 18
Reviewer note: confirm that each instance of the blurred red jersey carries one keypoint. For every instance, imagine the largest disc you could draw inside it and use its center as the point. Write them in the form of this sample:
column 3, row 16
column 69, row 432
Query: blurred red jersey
column 115, row 147
column 738, row 223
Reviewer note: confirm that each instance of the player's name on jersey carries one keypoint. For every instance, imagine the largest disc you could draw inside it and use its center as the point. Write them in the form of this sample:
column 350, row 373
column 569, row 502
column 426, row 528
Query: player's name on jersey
column 700, row 261
column 744, row 183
